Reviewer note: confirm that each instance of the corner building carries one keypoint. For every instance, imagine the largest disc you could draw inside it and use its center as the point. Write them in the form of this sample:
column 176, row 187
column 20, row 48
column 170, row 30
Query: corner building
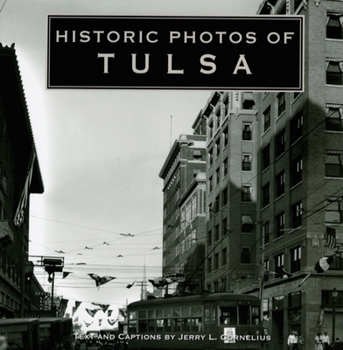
column 231, row 189
column 299, row 145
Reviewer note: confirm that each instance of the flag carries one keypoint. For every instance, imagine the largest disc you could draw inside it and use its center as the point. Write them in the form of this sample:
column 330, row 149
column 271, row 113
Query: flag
column 130, row 285
column 19, row 214
column 123, row 312
column 92, row 312
column 63, row 307
column 330, row 237
column 100, row 280
column 282, row 272
column 112, row 321
column 77, row 304
column 100, row 322
column 66, row 274
column 87, row 324
column 324, row 263
column 103, row 307
column 109, row 313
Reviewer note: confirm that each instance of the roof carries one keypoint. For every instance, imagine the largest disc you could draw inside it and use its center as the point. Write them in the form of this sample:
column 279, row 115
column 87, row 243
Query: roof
column 14, row 106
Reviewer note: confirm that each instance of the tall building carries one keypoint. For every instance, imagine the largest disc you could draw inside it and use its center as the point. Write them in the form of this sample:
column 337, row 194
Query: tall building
column 19, row 176
column 231, row 189
column 299, row 144
column 184, row 193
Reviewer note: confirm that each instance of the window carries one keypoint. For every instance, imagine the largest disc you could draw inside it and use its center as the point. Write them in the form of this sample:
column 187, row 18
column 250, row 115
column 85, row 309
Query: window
column 210, row 183
column 280, row 183
column 280, row 224
column 247, row 224
column 247, row 132
column 216, row 204
column 246, row 192
column 224, row 256
column 246, row 162
column 209, row 265
column 265, row 157
column 209, row 238
column 280, row 141
column 265, row 195
column 266, row 119
column 248, row 101
column 279, row 261
column 218, row 176
column 210, row 156
column 218, row 147
column 334, row 117
column 225, row 167
column 224, row 227
column 216, row 261
column 210, row 129
column 297, row 210
column 266, row 231
column 216, row 233
column 266, row 266
column 245, row 255
column 226, row 105
column 296, row 171
column 297, row 126
column 281, row 103
column 295, row 259
column 226, row 136
column 334, row 26
column 224, row 197
column 334, row 71
column 334, row 163
column 333, row 210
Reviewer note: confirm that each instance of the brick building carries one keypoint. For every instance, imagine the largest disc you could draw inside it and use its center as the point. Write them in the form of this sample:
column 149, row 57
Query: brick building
column 19, row 176
column 184, row 193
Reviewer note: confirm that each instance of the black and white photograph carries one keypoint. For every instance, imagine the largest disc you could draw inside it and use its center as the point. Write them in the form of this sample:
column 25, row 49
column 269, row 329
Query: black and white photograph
column 171, row 174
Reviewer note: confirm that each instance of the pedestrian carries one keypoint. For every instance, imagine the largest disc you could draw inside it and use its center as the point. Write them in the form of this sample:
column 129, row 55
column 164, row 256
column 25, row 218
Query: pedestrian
column 293, row 340
column 318, row 342
column 3, row 343
column 326, row 341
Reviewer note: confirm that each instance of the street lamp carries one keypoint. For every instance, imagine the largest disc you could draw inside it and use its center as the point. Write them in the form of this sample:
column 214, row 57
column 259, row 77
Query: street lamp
column 334, row 298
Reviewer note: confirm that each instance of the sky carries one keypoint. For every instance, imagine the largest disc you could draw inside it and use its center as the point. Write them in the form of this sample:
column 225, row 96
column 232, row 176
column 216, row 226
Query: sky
column 100, row 153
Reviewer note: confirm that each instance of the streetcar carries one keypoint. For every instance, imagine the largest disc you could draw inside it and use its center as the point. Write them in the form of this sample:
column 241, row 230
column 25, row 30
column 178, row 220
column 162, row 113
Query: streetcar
column 21, row 333
column 212, row 321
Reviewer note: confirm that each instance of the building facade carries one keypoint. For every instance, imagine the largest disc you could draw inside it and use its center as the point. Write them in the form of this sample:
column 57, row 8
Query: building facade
column 184, row 193
column 19, row 176
column 231, row 189
column 299, row 185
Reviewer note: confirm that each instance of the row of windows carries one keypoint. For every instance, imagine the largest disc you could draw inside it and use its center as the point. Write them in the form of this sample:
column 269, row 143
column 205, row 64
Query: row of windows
column 278, row 270
column 220, row 259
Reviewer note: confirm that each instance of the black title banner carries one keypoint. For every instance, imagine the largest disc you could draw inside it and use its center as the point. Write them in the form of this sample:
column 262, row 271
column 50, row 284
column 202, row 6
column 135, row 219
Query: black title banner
column 231, row 53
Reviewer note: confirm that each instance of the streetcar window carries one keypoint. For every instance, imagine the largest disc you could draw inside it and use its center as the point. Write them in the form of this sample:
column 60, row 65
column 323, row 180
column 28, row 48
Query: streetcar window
column 255, row 314
column 159, row 325
column 177, row 325
column 207, row 316
column 244, row 314
column 196, row 311
column 159, row 313
column 142, row 314
column 167, row 325
column 132, row 315
column 142, row 326
column 186, row 325
column 196, row 324
column 151, row 313
column 167, row 313
column 228, row 315
column 151, row 325
column 176, row 312
column 185, row 311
